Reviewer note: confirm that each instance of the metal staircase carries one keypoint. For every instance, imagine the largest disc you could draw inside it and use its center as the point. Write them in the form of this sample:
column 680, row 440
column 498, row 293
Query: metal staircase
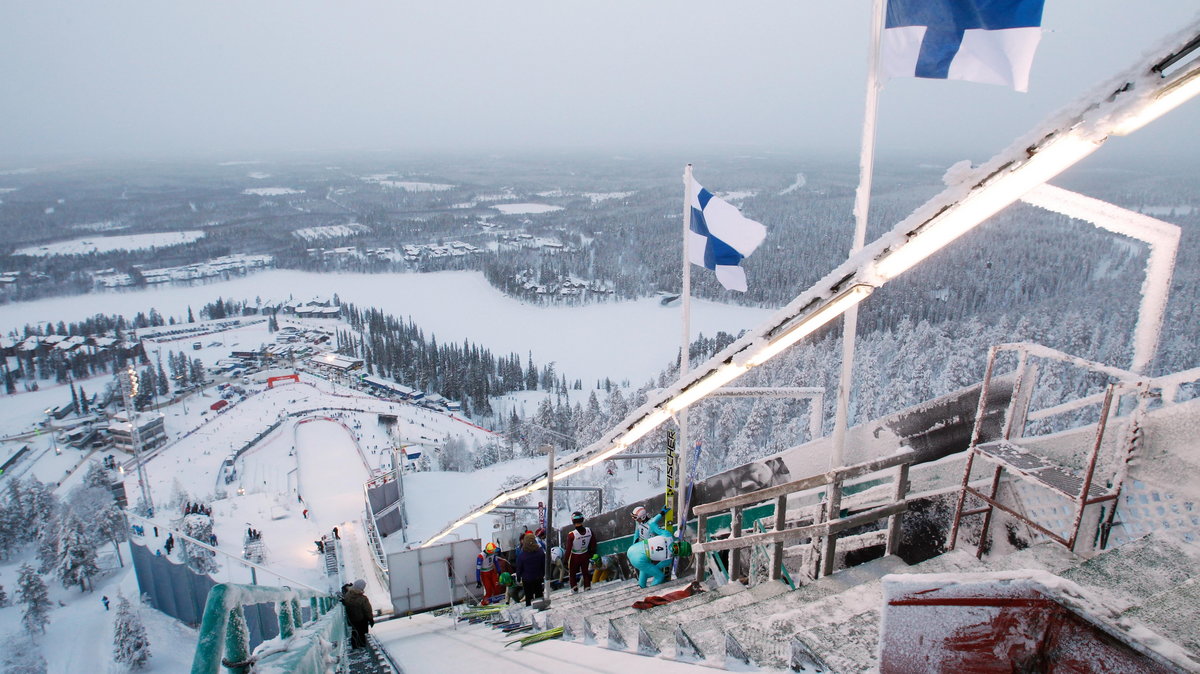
column 1116, row 435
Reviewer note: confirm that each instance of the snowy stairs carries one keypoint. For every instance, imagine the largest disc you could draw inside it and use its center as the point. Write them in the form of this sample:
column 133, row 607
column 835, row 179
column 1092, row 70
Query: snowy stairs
column 369, row 660
column 1154, row 581
column 331, row 560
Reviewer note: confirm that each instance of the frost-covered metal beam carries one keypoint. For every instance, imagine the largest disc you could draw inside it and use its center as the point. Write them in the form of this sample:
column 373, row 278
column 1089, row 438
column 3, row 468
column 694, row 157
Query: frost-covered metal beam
column 1153, row 86
column 1162, row 237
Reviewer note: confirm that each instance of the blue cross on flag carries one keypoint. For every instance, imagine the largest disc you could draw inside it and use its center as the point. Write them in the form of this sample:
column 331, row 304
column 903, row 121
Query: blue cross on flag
column 721, row 237
column 988, row 41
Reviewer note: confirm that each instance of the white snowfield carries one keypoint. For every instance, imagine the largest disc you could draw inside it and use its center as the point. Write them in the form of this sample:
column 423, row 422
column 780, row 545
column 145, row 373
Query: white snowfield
column 270, row 191
column 107, row 244
column 526, row 209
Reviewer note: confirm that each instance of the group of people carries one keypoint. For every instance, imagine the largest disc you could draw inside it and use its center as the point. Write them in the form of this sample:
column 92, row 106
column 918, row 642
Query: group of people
column 654, row 548
column 197, row 509
column 253, row 534
column 516, row 579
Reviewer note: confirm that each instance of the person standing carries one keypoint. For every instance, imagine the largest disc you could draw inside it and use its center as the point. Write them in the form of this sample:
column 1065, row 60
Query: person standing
column 531, row 564
column 105, row 600
column 358, row 613
column 486, row 576
column 581, row 545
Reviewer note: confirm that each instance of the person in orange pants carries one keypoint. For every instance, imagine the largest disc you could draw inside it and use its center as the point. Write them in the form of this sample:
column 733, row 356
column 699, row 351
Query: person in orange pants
column 486, row 575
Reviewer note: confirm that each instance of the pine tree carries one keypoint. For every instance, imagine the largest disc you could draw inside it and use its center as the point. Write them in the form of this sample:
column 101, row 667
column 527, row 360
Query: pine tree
column 21, row 655
column 201, row 560
column 35, row 602
column 96, row 476
column 76, row 553
column 131, row 646
column 3, row 598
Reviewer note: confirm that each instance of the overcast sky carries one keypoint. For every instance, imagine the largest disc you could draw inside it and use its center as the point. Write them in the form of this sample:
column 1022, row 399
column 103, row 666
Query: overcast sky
column 96, row 79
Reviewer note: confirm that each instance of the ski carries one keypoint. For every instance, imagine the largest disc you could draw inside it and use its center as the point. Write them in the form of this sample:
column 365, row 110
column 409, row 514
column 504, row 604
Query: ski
column 536, row 637
column 518, row 628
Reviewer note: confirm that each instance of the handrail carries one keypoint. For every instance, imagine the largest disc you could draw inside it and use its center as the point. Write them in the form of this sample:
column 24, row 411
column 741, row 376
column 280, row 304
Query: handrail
column 827, row 527
column 224, row 639
column 804, row 483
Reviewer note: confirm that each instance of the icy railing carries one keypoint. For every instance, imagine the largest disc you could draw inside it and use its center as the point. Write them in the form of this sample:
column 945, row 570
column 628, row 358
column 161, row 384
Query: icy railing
column 828, row 530
column 315, row 647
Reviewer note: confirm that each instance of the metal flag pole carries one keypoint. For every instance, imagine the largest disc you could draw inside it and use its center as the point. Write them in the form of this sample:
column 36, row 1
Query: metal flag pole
column 862, row 204
column 684, row 362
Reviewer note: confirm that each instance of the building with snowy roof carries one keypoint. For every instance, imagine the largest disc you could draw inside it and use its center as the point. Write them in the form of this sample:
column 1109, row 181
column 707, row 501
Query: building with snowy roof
column 151, row 431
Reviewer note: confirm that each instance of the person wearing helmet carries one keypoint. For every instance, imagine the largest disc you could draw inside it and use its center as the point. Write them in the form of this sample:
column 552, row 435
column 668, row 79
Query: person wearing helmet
column 512, row 588
column 600, row 567
column 486, row 576
column 581, row 545
column 541, row 537
column 653, row 557
column 644, row 527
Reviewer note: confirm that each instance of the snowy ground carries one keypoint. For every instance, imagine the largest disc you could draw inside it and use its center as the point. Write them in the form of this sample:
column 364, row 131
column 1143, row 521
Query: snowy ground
column 107, row 244
column 79, row 636
column 419, row 645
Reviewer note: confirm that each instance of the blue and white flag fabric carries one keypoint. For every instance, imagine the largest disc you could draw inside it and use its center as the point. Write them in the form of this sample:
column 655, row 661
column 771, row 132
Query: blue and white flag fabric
column 988, row 41
column 721, row 237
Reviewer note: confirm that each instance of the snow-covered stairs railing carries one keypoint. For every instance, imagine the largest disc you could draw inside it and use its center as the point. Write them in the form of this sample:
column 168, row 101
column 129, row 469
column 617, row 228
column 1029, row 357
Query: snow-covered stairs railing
column 833, row 524
column 301, row 648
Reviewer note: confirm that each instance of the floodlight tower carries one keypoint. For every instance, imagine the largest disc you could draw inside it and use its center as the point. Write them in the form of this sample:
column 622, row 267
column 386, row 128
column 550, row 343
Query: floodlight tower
column 129, row 391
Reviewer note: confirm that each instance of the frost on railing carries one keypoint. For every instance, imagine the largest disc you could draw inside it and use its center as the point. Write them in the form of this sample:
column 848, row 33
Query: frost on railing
column 314, row 647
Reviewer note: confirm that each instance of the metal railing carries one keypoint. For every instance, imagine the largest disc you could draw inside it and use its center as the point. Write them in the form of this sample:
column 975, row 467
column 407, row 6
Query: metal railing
column 301, row 648
column 828, row 529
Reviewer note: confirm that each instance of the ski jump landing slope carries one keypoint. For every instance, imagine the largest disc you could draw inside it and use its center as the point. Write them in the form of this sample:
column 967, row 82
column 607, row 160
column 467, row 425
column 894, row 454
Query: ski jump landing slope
column 332, row 474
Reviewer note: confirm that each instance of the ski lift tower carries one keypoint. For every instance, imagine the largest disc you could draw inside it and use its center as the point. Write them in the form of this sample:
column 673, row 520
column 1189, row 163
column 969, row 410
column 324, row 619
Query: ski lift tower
column 129, row 390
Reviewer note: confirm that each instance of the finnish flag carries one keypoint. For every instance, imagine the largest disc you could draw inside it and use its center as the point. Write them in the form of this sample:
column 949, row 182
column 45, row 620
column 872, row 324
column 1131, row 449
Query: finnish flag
column 721, row 237
column 988, row 41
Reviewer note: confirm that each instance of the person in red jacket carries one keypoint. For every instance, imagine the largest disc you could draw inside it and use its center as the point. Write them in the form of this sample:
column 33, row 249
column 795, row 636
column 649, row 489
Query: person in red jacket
column 581, row 545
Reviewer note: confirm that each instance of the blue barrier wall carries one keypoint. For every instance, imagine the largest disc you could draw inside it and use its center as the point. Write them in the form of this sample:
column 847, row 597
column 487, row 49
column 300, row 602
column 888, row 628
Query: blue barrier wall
column 181, row 593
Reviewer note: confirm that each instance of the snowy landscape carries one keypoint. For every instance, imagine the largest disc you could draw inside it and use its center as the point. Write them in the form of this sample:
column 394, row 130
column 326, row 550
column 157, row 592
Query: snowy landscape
column 270, row 342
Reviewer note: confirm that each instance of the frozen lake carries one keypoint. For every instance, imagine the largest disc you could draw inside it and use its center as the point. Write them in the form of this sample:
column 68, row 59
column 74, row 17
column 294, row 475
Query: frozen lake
column 620, row 340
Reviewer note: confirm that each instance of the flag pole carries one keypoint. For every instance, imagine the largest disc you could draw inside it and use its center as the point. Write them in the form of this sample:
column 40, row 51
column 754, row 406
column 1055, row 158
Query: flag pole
column 862, row 203
column 684, row 364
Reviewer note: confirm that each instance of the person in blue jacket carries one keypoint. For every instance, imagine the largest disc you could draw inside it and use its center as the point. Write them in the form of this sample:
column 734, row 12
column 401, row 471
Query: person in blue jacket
column 652, row 558
column 644, row 527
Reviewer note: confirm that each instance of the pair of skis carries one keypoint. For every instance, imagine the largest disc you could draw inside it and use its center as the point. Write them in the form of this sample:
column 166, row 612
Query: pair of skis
column 536, row 637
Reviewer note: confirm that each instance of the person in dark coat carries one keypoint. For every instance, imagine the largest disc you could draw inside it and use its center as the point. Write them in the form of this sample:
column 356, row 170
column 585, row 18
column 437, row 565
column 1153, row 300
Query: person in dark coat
column 531, row 568
column 358, row 613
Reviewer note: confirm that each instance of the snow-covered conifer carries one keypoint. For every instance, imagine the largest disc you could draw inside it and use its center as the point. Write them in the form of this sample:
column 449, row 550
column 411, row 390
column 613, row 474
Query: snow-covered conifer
column 201, row 560
column 76, row 553
column 96, row 476
column 21, row 655
column 35, row 602
column 131, row 646
column 3, row 597
column 41, row 508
